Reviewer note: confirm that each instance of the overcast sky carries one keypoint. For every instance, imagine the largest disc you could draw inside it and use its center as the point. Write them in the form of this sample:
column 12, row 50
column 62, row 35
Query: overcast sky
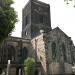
column 62, row 16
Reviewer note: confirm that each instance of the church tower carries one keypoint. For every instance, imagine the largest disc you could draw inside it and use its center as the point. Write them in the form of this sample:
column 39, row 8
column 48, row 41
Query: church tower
column 35, row 17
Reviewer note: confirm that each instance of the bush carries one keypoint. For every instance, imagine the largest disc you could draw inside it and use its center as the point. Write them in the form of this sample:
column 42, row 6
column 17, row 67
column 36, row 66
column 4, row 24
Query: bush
column 29, row 66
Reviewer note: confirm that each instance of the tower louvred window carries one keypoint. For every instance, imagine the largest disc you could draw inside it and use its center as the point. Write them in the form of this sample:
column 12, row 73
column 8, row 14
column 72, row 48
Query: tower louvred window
column 41, row 18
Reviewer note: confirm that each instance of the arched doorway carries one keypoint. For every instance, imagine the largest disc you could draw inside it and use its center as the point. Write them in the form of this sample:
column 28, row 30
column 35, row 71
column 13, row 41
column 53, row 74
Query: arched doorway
column 36, row 72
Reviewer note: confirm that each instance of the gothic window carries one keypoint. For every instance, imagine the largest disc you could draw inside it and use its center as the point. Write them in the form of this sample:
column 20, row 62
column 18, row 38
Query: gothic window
column 64, row 52
column 53, row 50
column 11, row 52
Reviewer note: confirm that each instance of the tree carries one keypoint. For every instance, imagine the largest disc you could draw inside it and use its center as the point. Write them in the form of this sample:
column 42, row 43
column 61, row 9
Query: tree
column 68, row 2
column 8, row 18
column 29, row 66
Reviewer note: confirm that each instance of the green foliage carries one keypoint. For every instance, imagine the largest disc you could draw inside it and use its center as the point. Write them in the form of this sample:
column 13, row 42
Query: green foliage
column 8, row 2
column 70, row 1
column 29, row 66
column 8, row 18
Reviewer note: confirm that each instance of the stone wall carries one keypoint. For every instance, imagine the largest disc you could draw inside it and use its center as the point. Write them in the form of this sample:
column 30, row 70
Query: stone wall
column 58, row 56
column 12, row 49
column 43, row 48
column 12, row 71
column 40, row 56
column 68, row 68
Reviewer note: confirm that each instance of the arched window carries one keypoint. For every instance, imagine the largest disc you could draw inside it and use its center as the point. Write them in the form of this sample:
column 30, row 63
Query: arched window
column 11, row 52
column 64, row 52
column 24, row 53
column 53, row 50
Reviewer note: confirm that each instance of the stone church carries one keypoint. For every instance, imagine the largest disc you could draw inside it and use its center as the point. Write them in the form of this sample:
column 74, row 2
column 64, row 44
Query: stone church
column 52, row 49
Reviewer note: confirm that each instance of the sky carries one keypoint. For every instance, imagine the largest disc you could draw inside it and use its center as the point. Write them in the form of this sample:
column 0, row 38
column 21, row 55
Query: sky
column 62, row 15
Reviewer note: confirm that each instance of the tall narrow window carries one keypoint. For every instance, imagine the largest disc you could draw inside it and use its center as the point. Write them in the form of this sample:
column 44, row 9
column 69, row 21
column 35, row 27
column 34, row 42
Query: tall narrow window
column 53, row 50
column 26, row 20
column 11, row 52
column 41, row 18
column 24, row 53
column 64, row 52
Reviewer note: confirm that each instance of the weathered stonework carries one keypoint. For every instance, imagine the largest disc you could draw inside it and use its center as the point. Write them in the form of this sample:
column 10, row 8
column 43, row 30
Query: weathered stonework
column 62, row 57
column 30, row 26
column 62, row 64
column 39, row 46
column 16, row 50
column 52, row 49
